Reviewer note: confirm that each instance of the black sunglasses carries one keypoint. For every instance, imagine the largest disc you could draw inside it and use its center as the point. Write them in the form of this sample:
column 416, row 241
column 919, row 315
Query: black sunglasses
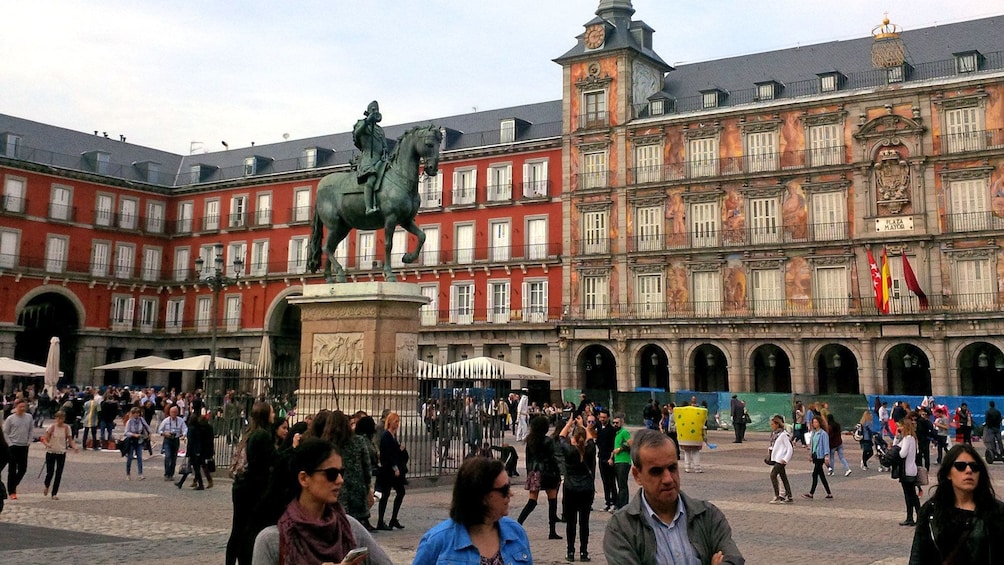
column 504, row 490
column 960, row 466
column 331, row 473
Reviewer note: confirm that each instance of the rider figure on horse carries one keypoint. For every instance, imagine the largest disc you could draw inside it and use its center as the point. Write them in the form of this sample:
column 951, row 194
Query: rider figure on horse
column 368, row 137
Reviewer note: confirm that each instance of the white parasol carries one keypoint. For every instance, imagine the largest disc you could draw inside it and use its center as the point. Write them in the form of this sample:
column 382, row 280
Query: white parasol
column 263, row 368
column 52, row 366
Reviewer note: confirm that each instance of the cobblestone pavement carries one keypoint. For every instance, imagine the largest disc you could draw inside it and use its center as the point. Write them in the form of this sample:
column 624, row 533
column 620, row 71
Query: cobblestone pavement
column 101, row 518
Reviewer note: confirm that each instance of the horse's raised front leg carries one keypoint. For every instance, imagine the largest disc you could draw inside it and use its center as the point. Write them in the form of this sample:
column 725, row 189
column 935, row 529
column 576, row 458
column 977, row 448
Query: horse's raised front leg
column 336, row 233
column 413, row 229
column 388, row 246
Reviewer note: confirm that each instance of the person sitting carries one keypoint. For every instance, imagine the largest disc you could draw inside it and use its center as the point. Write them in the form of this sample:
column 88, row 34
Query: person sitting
column 479, row 529
column 962, row 521
column 315, row 528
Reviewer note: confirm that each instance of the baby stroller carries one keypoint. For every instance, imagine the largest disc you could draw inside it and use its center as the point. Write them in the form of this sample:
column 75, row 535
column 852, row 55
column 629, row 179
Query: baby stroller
column 881, row 447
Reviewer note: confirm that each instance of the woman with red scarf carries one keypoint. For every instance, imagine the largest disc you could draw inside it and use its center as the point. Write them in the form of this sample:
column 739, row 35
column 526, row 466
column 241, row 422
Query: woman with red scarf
column 315, row 528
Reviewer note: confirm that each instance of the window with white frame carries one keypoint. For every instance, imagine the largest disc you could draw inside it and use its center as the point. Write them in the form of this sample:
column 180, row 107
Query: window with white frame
column 707, row 293
column 400, row 248
column 125, row 260
column 657, row 107
column 828, row 83
column 900, row 299
column 594, row 170
column 709, row 99
column 155, row 217
column 462, row 303
column 102, row 162
column 595, row 237
column 195, row 173
column 123, row 311
column 250, row 166
column 182, row 263
column 768, row 296
column 764, row 220
column 970, row 205
column 430, row 251
column 429, row 313
column 498, row 302
column 236, row 250
column 147, row 314
column 101, row 253
column 974, row 284
column 174, row 317
column 208, row 255
column 9, row 245
column 104, row 209
column 830, row 290
column 309, row 157
column 651, row 300
column 11, row 145
column 962, row 127
column 186, row 213
column 536, row 238
column 128, row 213
column 507, row 131
column 60, row 204
column 535, row 179
column 761, row 151
column 465, row 244
column 367, row 250
column 499, row 182
column 232, row 312
column 203, row 313
column 704, row 221
column 595, row 297
column 595, row 106
column 297, row 257
column 967, row 62
column 648, row 163
column 301, row 204
column 894, row 74
column 766, row 91
column 500, row 240
column 13, row 194
column 151, row 264
column 259, row 258
column 702, row 157
column 829, row 215
column 535, row 301
column 464, row 185
column 649, row 226
column 238, row 211
column 263, row 209
column 825, row 145
column 431, row 190
column 211, row 220
column 56, row 249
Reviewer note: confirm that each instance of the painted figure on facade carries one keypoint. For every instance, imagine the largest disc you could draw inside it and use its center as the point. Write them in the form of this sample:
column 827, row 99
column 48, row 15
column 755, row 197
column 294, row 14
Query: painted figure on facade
column 797, row 284
column 368, row 137
column 733, row 219
column 735, row 285
column 794, row 215
column 676, row 215
column 342, row 205
column 678, row 295
column 997, row 193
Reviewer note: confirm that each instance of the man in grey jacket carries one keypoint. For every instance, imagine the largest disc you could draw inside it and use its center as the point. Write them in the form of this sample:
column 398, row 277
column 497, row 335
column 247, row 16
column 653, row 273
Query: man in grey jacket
column 17, row 428
column 661, row 524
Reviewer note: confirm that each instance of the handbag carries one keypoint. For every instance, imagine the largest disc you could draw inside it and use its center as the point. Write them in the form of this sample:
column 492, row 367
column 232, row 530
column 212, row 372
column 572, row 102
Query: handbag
column 123, row 446
column 211, row 465
column 746, row 418
column 186, row 467
column 922, row 476
column 767, row 461
column 532, row 481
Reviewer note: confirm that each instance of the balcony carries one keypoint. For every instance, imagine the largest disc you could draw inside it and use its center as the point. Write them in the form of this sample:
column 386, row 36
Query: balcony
column 464, row 196
column 836, row 231
column 237, row 221
column 14, row 205
column 500, row 192
column 977, row 140
column 534, row 314
column 973, row 221
column 300, row 214
column 742, row 165
column 62, row 213
column 536, row 189
column 262, row 218
column 430, row 198
column 594, row 120
column 533, row 252
column 592, row 180
column 210, row 223
column 594, row 246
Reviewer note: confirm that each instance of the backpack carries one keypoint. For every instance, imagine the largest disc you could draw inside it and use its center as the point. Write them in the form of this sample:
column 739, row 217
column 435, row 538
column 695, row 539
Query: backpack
column 239, row 465
column 859, row 433
column 891, row 457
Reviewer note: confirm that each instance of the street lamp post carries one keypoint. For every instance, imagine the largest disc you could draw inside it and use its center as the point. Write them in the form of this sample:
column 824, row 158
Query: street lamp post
column 217, row 281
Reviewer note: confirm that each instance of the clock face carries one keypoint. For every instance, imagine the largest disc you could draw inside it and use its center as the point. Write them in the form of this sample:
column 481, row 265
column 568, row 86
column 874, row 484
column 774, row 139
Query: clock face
column 595, row 34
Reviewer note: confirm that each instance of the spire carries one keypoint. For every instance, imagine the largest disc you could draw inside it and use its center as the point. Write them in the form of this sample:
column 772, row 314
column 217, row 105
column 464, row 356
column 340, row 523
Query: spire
column 615, row 10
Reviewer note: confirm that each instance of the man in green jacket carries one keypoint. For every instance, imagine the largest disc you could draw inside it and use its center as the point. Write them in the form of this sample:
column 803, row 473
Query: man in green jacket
column 620, row 458
column 661, row 524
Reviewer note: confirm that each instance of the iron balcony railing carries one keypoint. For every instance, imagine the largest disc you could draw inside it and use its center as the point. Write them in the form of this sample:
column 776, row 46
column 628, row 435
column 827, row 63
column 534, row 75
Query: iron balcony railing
column 973, row 221
column 593, row 120
column 482, row 315
column 536, row 189
column 737, row 237
column 741, row 165
column 592, row 180
column 499, row 192
column 13, row 204
column 62, row 213
column 976, row 140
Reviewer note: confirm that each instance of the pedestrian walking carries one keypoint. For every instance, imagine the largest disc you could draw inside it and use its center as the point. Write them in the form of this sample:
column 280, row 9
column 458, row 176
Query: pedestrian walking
column 908, row 475
column 18, row 428
column 621, row 459
column 836, row 445
column 137, row 431
column 392, row 472
column 781, row 450
column 819, row 454
column 864, row 437
column 605, row 433
column 542, row 472
column 57, row 439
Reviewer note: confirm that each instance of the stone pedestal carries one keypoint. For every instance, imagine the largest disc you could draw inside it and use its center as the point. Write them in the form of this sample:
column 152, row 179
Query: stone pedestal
column 358, row 347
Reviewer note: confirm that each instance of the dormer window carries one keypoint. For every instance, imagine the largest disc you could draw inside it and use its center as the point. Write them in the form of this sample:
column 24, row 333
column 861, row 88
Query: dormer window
column 830, row 82
column 899, row 73
column 967, row 61
column 768, row 90
column 657, row 107
column 148, row 171
column 310, row 158
column 11, row 145
column 255, row 165
column 97, row 161
column 507, row 131
column 712, row 98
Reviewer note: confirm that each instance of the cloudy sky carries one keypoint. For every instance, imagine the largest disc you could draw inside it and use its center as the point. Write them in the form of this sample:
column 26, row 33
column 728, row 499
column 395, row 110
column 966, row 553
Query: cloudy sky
column 165, row 74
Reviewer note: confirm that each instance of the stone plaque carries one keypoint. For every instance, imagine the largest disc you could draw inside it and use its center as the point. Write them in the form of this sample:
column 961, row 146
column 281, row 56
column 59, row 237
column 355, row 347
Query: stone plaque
column 904, row 223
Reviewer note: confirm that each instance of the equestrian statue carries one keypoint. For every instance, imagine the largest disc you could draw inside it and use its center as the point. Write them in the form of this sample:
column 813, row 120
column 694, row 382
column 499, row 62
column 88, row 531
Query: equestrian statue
column 382, row 192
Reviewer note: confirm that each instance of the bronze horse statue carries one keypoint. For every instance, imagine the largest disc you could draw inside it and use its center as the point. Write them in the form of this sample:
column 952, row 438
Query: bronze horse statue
column 339, row 203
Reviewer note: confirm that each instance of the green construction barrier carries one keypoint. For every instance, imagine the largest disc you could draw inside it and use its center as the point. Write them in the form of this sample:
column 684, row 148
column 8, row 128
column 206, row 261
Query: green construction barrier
column 761, row 406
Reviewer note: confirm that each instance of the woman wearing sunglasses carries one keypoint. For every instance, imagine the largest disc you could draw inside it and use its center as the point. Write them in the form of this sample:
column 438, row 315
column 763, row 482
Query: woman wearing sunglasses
column 315, row 528
column 963, row 521
column 479, row 529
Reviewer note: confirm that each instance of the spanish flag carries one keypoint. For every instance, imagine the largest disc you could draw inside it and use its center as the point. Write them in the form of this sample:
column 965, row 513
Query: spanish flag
column 886, row 282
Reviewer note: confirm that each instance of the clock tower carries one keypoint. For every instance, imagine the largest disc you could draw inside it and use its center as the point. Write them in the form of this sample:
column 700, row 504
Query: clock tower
column 607, row 81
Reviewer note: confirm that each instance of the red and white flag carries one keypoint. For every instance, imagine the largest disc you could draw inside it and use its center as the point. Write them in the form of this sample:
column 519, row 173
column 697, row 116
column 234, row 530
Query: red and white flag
column 876, row 279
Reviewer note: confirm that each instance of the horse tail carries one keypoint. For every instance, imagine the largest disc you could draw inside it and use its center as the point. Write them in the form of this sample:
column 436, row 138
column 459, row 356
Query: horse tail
column 316, row 243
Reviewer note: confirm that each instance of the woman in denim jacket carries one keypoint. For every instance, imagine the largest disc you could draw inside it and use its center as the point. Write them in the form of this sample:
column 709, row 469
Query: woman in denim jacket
column 819, row 453
column 478, row 530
